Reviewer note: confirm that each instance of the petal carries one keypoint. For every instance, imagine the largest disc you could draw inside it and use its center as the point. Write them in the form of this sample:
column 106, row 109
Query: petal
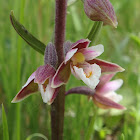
column 43, row 73
column 81, row 90
column 111, row 86
column 70, row 54
column 113, row 96
column 50, row 56
column 106, row 103
column 92, row 52
column 61, row 76
column 46, row 93
column 104, row 79
column 107, row 66
column 80, row 44
column 27, row 90
column 91, row 81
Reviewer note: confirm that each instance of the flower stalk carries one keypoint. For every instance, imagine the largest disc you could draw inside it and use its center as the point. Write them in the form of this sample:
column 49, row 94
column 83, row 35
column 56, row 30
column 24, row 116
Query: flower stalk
column 57, row 108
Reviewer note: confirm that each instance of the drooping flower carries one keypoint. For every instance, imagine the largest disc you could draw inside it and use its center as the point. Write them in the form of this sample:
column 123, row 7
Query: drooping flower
column 104, row 95
column 101, row 10
column 83, row 64
column 40, row 80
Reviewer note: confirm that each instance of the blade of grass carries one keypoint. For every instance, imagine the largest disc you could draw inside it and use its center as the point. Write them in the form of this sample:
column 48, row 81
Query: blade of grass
column 5, row 125
column 36, row 135
column 90, row 129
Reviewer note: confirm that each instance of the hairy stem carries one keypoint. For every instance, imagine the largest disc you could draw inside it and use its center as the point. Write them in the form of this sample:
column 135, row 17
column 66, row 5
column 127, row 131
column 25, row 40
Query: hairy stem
column 57, row 108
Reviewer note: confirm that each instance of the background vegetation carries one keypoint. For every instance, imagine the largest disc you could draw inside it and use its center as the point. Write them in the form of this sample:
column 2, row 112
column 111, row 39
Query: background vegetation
column 18, row 60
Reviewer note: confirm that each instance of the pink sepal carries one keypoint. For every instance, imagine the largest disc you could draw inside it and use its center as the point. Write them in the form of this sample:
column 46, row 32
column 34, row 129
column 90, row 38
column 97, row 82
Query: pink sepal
column 107, row 66
column 43, row 73
column 106, row 103
column 61, row 76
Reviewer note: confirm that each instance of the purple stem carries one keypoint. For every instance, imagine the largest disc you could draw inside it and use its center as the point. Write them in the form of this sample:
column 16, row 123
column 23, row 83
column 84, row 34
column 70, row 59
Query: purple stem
column 57, row 108
column 81, row 90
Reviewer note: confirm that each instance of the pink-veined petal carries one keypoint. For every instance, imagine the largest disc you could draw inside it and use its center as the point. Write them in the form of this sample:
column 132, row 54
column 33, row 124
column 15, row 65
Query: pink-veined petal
column 82, row 43
column 61, row 76
column 107, row 66
column 92, row 52
column 111, row 86
column 43, row 73
column 105, row 103
column 104, row 79
column 70, row 54
column 27, row 90
column 113, row 96
column 90, row 75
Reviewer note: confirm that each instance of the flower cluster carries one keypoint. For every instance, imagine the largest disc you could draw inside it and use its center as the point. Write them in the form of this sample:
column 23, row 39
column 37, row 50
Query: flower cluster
column 81, row 61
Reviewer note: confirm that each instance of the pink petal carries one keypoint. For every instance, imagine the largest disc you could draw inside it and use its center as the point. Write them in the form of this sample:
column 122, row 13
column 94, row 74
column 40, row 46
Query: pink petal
column 27, row 90
column 82, row 43
column 107, row 66
column 104, row 79
column 43, row 73
column 92, row 52
column 61, row 76
column 70, row 54
column 106, row 103
column 111, row 86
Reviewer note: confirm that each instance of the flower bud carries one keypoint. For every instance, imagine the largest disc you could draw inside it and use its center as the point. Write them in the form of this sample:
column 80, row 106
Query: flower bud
column 101, row 10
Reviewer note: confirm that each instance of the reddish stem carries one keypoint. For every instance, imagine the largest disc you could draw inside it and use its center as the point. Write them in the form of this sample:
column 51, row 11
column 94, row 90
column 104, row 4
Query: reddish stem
column 57, row 108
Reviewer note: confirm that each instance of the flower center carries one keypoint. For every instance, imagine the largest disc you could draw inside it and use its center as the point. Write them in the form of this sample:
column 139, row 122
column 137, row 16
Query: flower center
column 78, row 58
column 88, row 74
column 45, row 84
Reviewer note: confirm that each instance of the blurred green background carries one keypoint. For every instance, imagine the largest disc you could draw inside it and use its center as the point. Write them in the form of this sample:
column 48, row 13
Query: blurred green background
column 18, row 60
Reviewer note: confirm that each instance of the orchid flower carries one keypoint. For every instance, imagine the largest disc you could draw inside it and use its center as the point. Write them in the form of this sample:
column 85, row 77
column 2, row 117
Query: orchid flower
column 101, row 10
column 40, row 80
column 83, row 64
column 104, row 95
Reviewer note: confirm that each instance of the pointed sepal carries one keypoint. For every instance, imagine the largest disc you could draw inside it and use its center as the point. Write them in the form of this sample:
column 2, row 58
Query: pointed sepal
column 61, row 76
column 107, row 67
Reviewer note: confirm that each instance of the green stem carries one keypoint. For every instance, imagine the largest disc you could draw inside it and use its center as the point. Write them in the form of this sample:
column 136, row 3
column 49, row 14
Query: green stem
column 95, row 30
column 90, row 129
column 19, row 44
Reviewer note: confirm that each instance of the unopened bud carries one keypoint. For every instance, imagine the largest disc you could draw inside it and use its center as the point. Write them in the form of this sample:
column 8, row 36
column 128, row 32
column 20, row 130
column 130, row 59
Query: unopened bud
column 101, row 10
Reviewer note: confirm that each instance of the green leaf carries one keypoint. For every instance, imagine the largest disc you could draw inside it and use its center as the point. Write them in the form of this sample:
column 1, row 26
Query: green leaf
column 28, row 37
column 135, row 38
column 5, row 125
column 36, row 135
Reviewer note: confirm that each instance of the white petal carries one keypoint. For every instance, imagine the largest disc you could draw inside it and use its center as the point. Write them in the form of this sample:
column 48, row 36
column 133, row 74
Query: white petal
column 47, row 95
column 113, row 96
column 70, row 54
column 93, row 80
